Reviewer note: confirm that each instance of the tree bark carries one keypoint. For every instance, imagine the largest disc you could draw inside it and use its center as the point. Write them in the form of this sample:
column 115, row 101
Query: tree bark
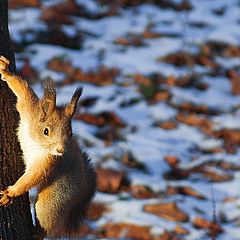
column 15, row 220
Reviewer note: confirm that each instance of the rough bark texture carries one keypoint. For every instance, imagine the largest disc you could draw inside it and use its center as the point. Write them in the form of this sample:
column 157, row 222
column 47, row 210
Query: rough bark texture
column 15, row 220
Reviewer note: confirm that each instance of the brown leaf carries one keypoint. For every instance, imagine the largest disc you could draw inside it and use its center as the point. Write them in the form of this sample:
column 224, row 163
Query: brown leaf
column 232, row 199
column 202, row 86
column 133, row 40
column 101, row 77
column 110, row 181
column 235, row 81
column 171, row 81
column 189, row 107
column 28, row 72
column 180, row 230
column 142, row 80
column 162, row 95
column 211, row 175
column 169, row 211
column 201, row 223
column 101, row 119
column 96, row 210
column 142, row 192
column 178, row 59
column 166, row 125
column 231, row 51
column 109, row 134
column 205, row 61
column 59, row 65
column 231, row 138
column 129, row 160
column 193, row 119
column 149, row 34
column 189, row 191
column 125, row 230
column 67, row 7
column 213, row 227
column 167, row 236
column 21, row 3
column 54, row 17
column 122, row 41
column 216, row 177
column 184, row 191
column 172, row 161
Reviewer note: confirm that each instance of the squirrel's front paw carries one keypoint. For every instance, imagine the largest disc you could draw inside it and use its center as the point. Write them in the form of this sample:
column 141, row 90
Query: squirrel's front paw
column 3, row 66
column 4, row 62
column 6, row 200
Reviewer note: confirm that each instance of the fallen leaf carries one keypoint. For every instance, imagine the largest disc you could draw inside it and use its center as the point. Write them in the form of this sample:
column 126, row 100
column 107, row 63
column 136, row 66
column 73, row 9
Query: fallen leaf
column 21, row 3
column 205, row 61
column 101, row 119
column 110, row 181
column 122, row 41
column 235, row 81
column 101, row 77
column 178, row 59
column 132, row 40
column 166, row 125
column 215, row 177
column 142, row 80
column 193, row 119
column 230, row 199
column 180, row 230
column 68, row 7
column 54, row 17
column 28, row 72
column 96, row 210
column 162, row 95
column 190, row 107
column 59, row 64
column 214, row 228
column 169, row 211
column 231, row 138
column 231, row 51
column 149, row 34
column 142, row 192
column 184, row 191
column 125, row 230
column 129, row 160
column 172, row 161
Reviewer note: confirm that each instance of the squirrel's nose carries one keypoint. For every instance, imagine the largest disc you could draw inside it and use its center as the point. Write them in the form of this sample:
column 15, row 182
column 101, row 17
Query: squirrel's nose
column 60, row 149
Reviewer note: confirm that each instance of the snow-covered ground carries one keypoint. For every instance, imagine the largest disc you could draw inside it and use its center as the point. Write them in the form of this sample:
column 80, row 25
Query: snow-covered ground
column 149, row 144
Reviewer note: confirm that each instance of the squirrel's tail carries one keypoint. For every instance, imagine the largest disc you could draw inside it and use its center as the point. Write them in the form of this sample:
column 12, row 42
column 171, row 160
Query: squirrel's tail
column 62, row 205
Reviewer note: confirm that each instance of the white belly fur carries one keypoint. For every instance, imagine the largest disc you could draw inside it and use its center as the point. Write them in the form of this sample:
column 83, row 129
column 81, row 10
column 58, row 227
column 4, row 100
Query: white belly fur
column 31, row 149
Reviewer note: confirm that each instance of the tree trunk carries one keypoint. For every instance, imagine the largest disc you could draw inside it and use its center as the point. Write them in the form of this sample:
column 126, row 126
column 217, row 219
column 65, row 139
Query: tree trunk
column 15, row 220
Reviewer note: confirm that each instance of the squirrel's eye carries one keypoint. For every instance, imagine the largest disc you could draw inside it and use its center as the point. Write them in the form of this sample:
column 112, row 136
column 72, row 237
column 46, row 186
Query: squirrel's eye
column 46, row 131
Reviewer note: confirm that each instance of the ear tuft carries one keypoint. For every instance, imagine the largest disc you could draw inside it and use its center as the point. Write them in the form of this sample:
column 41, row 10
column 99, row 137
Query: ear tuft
column 49, row 90
column 71, row 108
column 48, row 102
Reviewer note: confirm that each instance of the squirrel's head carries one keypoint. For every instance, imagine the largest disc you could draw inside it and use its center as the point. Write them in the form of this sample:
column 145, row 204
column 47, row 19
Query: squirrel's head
column 54, row 124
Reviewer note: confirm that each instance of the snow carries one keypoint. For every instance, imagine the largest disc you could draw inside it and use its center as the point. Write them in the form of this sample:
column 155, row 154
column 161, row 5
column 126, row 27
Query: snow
column 147, row 143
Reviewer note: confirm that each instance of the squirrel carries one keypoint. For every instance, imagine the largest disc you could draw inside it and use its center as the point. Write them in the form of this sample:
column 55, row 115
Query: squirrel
column 54, row 162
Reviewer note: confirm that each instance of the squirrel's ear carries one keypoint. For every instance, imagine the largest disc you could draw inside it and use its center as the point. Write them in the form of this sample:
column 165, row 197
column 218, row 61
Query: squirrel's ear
column 48, row 102
column 71, row 108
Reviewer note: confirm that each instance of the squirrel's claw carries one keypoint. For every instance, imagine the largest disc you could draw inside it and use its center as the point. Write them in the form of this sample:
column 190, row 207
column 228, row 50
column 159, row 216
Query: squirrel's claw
column 5, row 200
column 3, row 66
column 4, row 62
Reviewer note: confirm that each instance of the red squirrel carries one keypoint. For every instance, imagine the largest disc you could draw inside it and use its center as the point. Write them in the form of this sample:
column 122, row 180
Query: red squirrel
column 53, row 160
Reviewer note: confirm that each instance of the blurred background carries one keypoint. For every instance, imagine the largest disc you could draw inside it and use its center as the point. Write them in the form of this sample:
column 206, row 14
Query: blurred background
column 160, row 113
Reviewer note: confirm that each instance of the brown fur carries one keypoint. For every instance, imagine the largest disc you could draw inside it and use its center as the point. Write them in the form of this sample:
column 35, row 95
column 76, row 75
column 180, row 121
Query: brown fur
column 54, row 162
